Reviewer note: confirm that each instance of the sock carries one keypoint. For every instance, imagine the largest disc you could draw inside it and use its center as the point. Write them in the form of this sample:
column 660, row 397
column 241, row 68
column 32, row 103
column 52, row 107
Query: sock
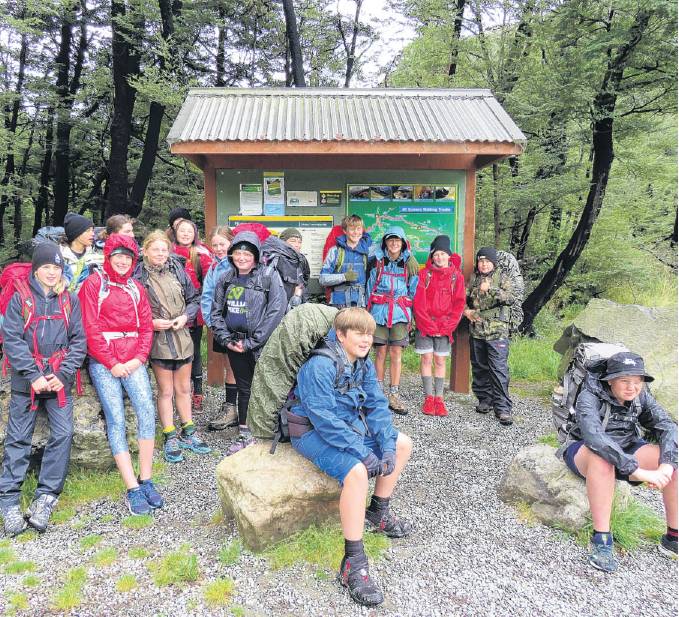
column 393, row 389
column 231, row 393
column 378, row 505
column 438, row 386
column 602, row 537
column 169, row 432
column 671, row 533
column 428, row 385
column 188, row 428
column 354, row 549
column 381, row 385
column 140, row 481
column 197, row 385
column 132, row 490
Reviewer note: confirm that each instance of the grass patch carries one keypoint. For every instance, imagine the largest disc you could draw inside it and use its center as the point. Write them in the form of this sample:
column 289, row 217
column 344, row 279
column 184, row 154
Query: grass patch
column 321, row 547
column 549, row 440
column 127, row 582
column 31, row 580
column 70, row 595
column 20, row 567
column 16, row 601
column 230, row 553
column 90, row 541
column 237, row 610
column 218, row 593
column 107, row 518
column 137, row 521
column 217, row 518
column 138, row 552
column 533, row 359
column 105, row 557
column 525, row 513
column 7, row 554
column 177, row 567
column 62, row 515
column 27, row 536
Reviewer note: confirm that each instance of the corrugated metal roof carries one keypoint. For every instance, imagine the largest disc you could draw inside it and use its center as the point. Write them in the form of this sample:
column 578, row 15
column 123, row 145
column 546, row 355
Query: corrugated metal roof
column 309, row 114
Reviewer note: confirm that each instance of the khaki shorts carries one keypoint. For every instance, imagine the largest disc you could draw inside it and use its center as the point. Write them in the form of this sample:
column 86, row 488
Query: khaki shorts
column 397, row 335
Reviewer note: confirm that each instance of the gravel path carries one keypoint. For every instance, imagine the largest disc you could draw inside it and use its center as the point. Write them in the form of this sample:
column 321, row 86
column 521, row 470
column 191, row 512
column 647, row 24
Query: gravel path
column 470, row 554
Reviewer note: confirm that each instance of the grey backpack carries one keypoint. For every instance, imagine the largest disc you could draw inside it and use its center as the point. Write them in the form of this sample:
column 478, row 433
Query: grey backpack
column 510, row 267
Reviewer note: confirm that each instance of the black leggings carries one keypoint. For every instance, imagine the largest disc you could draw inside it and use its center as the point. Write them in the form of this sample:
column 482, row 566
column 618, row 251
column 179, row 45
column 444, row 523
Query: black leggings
column 243, row 366
column 197, row 363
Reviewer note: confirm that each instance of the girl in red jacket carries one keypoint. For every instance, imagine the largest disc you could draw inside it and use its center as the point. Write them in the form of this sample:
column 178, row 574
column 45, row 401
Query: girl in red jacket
column 439, row 302
column 119, row 326
column 197, row 262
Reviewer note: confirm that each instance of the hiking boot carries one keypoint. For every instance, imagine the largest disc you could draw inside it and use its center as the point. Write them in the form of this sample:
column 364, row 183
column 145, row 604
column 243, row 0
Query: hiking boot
column 172, row 451
column 668, row 546
column 153, row 497
column 242, row 441
column 192, row 442
column 136, row 502
column 14, row 521
column 603, row 558
column 484, row 408
column 197, row 402
column 40, row 510
column 228, row 417
column 396, row 405
column 440, row 407
column 428, row 408
column 361, row 587
column 388, row 523
column 505, row 418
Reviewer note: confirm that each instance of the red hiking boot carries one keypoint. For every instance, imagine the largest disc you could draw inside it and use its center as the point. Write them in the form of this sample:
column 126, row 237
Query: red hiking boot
column 428, row 407
column 440, row 407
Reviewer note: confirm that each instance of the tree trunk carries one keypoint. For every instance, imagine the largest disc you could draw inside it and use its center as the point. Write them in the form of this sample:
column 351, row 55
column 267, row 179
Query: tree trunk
column 603, row 108
column 496, row 203
column 455, row 39
column 350, row 47
column 525, row 233
column 220, row 78
column 673, row 237
column 42, row 203
column 292, row 35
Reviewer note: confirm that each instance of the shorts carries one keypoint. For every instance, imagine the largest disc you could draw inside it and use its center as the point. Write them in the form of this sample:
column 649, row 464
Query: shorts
column 397, row 335
column 438, row 345
column 572, row 450
column 170, row 365
column 329, row 459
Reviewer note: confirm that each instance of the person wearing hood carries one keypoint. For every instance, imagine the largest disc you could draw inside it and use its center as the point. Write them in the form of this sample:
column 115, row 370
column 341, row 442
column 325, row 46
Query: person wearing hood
column 249, row 303
column 438, row 305
column 45, row 352
column 174, row 304
column 79, row 253
column 119, row 326
column 345, row 268
column 489, row 298
column 391, row 288
column 612, row 411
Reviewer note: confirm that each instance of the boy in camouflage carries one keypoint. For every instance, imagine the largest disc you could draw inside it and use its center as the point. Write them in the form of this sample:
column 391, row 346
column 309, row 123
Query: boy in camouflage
column 489, row 297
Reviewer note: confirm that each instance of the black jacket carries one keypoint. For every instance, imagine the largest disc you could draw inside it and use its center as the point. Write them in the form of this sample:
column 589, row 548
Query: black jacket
column 52, row 335
column 624, row 425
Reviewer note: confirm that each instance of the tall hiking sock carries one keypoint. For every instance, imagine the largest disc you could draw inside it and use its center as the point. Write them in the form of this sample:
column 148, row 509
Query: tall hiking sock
column 231, row 393
column 671, row 533
column 378, row 505
column 393, row 389
column 197, row 385
column 242, row 410
column 169, row 432
column 602, row 537
column 438, row 386
column 188, row 428
column 354, row 548
column 427, row 383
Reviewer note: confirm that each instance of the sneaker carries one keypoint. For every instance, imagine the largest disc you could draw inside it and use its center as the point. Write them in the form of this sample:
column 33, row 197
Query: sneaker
column 388, row 523
column 361, row 587
column 197, row 402
column 40, row 510
column 14, row 521
column 484, row 408
column 428, row 408
column 242, row 441
column 228, row 417
column 440, row 407
column 172, row 451
column 396, row 405
column 136, row 501
column 668, row 547
column 153, row 497
column 603, row 558
column 505, row 418
column 194, row 443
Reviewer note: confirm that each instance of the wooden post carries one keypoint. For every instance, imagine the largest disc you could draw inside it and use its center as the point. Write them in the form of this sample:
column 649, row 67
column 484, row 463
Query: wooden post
column 459, row 369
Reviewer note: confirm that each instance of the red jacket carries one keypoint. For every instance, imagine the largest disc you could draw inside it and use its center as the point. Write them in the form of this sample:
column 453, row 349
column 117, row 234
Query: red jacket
column 117, row 312
column 205, row 258
column 440, row 298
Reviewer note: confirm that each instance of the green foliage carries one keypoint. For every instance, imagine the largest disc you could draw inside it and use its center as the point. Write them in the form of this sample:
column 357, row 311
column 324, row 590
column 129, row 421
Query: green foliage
column 90, row 541
column 28, row 536
column 105, row 557
column 30, row 580
column 237, row 610
column 135, row 521
column 19, row 567
column 16, row 601
column 230, row 553
column 175, row 568
column 138, row 552
column 126, row 583
column 533, row 359
column 218, row 593
column 549, row 440
column 69, row 596
column 7, row 554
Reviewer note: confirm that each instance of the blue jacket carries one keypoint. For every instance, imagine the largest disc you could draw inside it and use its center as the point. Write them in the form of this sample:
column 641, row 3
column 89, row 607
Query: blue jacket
column 343, row 293
column 335, row 416
column 215, row 272
column 394, row 283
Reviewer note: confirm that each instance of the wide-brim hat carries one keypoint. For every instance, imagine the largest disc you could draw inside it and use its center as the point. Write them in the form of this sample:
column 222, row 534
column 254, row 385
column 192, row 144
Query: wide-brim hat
column 623, row 364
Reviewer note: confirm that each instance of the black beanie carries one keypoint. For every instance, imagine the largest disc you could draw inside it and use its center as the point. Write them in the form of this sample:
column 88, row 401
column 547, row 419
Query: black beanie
column 46, row 253
column 440, row 243
column 75, row 224
column 178, row 213
column 489, row 252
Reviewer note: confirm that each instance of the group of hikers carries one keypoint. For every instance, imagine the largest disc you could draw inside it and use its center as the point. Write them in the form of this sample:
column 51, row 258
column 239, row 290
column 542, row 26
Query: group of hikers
column 109, row 305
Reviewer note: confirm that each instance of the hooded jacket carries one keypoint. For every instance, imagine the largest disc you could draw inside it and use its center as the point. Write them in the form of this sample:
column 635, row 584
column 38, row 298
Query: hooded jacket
column 333, row 274
column 77, row 269
column 391, row 285
column 493, row 306
column 623, row 427
column 113, row 309
column 207, row 296
column 440, row 298
column 264, row 297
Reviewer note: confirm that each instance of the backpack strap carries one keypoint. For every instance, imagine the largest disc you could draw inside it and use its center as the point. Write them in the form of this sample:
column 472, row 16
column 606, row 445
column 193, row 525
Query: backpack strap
column 27, row 302
column 340, row 258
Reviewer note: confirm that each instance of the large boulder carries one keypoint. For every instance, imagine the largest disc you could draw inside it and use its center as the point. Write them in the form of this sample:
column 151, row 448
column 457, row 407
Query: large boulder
column 556, row 496
column 650, row 332
column 273, row 496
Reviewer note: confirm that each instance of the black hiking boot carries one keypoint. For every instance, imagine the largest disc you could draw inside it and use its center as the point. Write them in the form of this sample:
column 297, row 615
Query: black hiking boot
column 356, row 579
column 484, row 408
column 387, row 523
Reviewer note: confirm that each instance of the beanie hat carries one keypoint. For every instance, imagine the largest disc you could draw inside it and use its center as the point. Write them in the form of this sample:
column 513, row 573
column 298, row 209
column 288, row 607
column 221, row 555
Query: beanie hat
column 178, row 213
column 440, row 243
column 76, row 224
column 245, row 246
column 47, row 253
column 489, row 253
column 290, row 232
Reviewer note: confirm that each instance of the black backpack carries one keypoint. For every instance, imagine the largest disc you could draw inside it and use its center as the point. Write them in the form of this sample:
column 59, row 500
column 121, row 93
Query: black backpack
column 280, row 256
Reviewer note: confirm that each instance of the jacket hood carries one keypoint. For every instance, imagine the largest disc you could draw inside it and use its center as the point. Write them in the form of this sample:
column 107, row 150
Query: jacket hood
column 394, row 231
column 362, row 247
column 115, row 241
column 250, row 237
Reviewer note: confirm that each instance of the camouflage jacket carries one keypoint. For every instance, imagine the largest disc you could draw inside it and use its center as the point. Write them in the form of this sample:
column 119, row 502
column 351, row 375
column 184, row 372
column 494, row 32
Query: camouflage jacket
column 492, row 306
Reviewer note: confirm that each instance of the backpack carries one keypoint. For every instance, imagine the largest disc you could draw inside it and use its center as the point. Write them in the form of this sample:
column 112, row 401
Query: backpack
column 276, row 254
column 587, row 358
column 49, row 234
column 509, row 266
column 410, row 268
column 105, row 289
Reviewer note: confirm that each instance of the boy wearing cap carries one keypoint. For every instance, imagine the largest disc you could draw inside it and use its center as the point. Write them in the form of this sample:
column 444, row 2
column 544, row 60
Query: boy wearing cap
column 489, row 297
column 44, row 341
column 79, row 254
column 605, row 444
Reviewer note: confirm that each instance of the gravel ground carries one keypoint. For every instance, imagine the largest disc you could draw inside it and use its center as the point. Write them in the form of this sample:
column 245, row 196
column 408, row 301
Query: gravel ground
column 469, row 555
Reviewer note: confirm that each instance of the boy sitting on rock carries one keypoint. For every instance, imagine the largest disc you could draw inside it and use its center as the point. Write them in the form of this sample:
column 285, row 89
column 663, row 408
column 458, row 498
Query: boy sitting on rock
column 605, row 444
column 342, row 423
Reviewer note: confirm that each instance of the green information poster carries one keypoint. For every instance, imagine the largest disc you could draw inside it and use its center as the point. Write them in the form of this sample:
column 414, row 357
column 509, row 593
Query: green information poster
column 423, row 211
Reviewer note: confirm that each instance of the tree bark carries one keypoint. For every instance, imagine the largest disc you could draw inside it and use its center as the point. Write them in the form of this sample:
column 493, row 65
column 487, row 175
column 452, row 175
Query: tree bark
column 496, row 203
column 292, row 34
column 455, row 39
column 220, row 77
column 42, row 203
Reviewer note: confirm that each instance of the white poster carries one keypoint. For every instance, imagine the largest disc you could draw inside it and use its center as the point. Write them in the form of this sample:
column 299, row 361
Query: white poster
column 251, row 199
column 302, row 199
